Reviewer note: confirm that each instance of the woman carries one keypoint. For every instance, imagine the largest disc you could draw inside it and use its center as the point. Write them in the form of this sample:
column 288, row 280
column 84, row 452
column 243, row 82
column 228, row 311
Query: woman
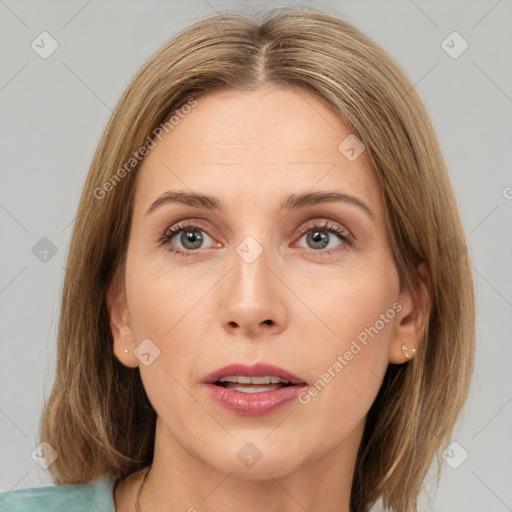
column 268, row 304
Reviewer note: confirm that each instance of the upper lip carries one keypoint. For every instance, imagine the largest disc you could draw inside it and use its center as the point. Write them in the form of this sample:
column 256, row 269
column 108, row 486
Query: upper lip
column 255, row 370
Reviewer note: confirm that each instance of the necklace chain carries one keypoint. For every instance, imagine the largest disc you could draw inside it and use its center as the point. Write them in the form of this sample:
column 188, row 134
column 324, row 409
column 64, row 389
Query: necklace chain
column 137, row 499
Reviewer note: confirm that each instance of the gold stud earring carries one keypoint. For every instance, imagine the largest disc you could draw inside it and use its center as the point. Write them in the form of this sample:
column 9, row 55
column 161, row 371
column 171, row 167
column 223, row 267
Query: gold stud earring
column 405, row 350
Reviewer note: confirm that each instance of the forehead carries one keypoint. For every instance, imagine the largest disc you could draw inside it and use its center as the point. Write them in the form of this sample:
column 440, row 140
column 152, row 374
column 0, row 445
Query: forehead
column 258, row 144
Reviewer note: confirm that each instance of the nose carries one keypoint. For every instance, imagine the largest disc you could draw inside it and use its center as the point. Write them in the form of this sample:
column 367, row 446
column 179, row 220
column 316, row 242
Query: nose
column 253, row 302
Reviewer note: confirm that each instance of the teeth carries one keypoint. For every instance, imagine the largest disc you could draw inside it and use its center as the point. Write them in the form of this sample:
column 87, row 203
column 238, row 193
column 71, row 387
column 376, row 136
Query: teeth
column 260, row 388
column 242, row 379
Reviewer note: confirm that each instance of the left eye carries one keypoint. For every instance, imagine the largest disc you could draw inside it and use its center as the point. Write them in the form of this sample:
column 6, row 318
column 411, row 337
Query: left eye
column 319, row 238
column 190, row 237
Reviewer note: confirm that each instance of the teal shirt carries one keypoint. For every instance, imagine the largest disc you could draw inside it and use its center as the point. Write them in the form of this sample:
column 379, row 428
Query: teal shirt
column 96, row 496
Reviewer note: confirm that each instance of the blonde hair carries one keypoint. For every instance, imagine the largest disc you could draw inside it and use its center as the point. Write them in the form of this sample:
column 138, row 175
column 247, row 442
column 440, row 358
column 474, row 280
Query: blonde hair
column 98, row 416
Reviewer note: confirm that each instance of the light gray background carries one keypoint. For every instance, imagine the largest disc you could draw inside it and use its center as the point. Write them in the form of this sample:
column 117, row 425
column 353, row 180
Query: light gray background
column 54, row 111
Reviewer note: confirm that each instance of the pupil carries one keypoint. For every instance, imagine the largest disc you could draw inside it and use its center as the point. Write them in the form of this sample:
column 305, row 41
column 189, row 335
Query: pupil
column 318, row 238
column 191, row 237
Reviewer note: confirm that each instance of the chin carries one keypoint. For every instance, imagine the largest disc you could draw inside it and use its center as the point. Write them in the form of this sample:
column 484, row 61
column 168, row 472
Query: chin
column 256, row 461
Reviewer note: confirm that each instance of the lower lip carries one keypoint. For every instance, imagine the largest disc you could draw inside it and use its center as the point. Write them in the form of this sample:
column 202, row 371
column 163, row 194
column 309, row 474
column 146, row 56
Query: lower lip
column 254, row 404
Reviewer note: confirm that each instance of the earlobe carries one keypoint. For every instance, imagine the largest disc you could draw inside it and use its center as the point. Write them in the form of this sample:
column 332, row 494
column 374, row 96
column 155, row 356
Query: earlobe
column 411, row 322
column 123, row 340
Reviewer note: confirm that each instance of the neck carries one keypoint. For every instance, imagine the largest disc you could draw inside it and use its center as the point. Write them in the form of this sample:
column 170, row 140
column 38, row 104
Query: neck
column 180, row 481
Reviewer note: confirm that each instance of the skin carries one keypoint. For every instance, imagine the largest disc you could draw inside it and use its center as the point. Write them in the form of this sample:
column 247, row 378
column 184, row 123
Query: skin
column 250, row 150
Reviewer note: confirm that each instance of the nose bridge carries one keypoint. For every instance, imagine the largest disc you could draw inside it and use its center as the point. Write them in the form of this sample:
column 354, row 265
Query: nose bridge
column 250, row 280
column 252, row 299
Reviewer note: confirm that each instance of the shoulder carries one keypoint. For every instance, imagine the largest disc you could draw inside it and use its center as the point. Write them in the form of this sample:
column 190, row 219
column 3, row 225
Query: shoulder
column 92, row 496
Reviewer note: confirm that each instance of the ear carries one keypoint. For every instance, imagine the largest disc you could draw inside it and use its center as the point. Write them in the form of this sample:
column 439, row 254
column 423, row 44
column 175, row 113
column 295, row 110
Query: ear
column 119, row 323
column 412, row 319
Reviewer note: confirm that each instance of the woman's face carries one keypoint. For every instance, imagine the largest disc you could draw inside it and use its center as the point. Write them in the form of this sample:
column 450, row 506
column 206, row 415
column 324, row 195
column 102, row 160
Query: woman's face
column 265, row 273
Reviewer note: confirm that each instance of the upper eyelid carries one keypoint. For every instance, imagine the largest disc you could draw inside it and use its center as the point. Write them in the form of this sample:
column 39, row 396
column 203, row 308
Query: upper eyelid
column 324, row 224
column 203, row 225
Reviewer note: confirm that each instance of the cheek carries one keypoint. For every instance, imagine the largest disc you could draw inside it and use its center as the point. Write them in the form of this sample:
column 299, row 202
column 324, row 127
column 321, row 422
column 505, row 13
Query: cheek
column 347, row 302
column 349, row 364
column 170, row 307
column 166, row 308
column 162, row 295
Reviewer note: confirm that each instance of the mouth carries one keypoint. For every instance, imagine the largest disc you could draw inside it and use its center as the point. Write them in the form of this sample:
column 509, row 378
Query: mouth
column 259, row 374
column 246, row 384
column 253, row 390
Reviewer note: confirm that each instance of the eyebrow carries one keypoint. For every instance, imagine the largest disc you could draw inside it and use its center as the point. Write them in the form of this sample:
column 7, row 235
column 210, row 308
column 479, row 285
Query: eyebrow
column 292, row 202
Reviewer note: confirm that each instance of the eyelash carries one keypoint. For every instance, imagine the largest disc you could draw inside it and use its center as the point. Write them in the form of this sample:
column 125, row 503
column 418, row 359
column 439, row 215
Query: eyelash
column 343, row 234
